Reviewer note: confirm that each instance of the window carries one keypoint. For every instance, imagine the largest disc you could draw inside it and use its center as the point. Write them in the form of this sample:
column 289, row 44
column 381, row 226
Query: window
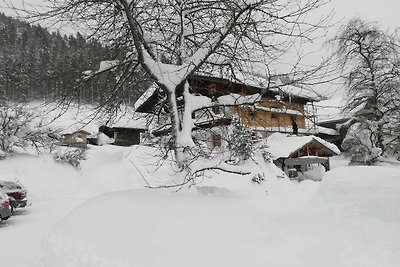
column 212, row 87
column 252, row 113
column 216, row 140
column 274, row 116
column 215, row 109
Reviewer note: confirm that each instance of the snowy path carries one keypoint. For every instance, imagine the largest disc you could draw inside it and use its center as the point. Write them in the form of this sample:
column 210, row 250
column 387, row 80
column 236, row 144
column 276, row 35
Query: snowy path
column 351, row 218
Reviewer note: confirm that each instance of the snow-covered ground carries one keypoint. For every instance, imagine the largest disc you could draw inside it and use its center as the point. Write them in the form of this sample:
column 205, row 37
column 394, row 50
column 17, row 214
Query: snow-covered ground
column 101, row 215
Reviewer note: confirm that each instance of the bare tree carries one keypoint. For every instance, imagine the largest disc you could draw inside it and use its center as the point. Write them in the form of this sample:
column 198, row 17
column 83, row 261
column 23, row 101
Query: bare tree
column 170, row 40
column 369, row 59
column 21, row 128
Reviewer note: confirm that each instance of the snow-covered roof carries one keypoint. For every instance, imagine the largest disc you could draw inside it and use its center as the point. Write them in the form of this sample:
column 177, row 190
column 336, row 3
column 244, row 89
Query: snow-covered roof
column 328, row 131
column 283, row 145
column 146, row 95
column 331, row 109
column 133, row 122
column 263, row 83
column 256, row 75
column 236, row 99
column 77, row 131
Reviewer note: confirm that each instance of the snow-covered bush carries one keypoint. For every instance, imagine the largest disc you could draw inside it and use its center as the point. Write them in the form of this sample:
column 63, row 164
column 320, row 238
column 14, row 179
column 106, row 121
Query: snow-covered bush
column 21, row 127
column 71, row 156
column 258, row 178
column 360, row 143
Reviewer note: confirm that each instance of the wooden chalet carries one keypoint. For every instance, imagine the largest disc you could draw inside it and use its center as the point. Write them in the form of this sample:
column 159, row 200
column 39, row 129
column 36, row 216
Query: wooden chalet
column 280, row 109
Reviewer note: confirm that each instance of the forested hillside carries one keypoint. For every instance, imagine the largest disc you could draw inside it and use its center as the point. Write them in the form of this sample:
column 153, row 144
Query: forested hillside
column 38, row 64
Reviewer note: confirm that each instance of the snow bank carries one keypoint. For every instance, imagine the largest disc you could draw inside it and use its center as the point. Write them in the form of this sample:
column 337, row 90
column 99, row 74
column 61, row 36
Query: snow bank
column 107, row 168
column 370, row 191
column 349, row 219
column 152, row 228
column 44, row 178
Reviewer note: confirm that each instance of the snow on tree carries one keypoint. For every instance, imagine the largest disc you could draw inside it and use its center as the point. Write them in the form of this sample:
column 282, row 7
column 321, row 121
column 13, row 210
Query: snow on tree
column 21, row 128
column 171, row 40
column 241, row 143
column 361, row 140
column 369, row 59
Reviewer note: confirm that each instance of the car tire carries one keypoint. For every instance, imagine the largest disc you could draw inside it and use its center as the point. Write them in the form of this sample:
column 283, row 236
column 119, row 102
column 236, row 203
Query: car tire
column 2, row 219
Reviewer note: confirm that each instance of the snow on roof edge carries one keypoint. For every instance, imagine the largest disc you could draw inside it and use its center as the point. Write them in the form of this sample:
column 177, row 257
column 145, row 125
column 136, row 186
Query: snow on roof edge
column 282, row 146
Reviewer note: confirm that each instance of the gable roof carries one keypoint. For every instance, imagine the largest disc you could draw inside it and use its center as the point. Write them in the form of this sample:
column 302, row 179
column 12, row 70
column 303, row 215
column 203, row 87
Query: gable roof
column 284, row 146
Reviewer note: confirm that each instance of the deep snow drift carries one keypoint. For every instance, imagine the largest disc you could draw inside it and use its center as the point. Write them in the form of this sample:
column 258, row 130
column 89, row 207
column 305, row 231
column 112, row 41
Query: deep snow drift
column 101, row 215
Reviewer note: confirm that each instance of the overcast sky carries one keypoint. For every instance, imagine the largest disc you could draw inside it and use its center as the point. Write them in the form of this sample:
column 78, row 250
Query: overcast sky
column 385, row 12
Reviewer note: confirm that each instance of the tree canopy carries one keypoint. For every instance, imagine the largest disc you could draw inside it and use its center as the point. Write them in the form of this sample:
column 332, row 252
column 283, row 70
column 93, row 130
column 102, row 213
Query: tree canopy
column 369, row 58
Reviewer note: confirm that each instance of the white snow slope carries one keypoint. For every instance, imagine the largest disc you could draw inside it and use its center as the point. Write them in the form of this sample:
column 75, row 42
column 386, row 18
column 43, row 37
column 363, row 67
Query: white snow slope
column 102, row 215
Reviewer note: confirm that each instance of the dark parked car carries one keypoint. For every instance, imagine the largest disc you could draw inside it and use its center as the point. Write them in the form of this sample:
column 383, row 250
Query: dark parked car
column 5, row 210
column 16, row 193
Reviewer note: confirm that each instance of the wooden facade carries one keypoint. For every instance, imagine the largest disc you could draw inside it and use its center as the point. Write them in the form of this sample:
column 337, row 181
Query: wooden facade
column 276, row 112
column 272, row 114
column 76, row 139
column 126, row 136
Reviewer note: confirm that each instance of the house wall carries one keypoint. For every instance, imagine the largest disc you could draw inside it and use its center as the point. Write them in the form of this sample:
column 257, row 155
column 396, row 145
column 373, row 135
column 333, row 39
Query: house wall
column 77, row 139
column 126, row 137
column 272, row 113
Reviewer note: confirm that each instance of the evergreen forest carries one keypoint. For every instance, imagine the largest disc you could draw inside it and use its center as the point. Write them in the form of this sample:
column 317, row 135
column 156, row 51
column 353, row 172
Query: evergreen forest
column 36, row 64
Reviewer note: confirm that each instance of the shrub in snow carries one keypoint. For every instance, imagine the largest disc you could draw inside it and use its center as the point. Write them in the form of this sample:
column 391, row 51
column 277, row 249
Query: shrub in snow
column 21, row 127
column 267, row 156
column 71, row 156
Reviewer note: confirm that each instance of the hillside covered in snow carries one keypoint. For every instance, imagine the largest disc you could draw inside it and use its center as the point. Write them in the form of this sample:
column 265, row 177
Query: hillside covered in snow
column 104, row 215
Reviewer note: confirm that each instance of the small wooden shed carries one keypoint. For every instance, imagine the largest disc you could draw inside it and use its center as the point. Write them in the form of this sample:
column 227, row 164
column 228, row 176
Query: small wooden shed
column 126, row 131
column 298, row 152
column 125, row 136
